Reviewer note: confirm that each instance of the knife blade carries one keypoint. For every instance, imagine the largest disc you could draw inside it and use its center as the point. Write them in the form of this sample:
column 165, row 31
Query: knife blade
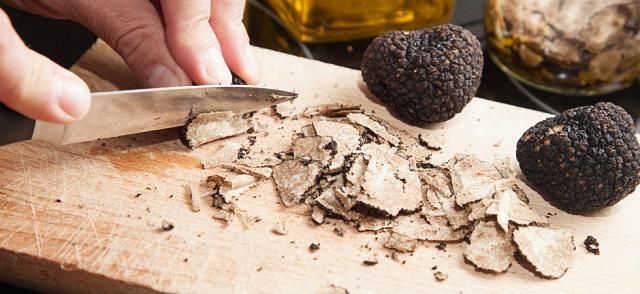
column 119, row 113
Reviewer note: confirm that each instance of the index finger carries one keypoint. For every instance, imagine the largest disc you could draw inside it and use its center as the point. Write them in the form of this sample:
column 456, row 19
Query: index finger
column 192, row 41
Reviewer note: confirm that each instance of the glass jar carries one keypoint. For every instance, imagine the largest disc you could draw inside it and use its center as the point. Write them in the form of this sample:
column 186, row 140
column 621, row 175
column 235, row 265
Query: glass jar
column 342, row 20
column 573, row 47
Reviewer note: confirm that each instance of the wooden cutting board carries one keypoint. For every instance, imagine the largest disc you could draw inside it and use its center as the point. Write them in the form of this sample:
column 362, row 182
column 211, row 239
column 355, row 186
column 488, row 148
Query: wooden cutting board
column 70, row 220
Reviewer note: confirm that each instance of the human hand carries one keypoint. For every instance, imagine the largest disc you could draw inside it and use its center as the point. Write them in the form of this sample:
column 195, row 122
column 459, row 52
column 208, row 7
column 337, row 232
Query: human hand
column 165, row 43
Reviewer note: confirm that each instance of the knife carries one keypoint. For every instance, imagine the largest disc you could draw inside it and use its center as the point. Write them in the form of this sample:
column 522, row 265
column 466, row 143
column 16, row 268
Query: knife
column 119, row 113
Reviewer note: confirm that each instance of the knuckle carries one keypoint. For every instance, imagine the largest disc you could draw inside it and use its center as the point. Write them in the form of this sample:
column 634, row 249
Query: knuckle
column 198, row 21
column 229, row 11
column 130, row 41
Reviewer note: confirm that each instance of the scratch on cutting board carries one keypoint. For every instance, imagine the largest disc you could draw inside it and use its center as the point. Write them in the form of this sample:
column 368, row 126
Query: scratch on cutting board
column 26, row 171
column 106, row 256
column 6, row 240
column 36, row 230
column 79, row 228
column 78, row 259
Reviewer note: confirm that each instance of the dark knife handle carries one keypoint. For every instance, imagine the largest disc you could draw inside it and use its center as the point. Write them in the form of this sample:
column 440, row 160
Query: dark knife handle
column 14, row 127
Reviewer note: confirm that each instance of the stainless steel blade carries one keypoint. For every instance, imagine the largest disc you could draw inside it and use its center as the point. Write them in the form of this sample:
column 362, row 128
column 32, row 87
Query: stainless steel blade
column 119, row 113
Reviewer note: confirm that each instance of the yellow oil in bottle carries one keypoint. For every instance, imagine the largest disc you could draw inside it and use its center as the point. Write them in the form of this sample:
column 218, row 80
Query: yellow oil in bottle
column 341, row 20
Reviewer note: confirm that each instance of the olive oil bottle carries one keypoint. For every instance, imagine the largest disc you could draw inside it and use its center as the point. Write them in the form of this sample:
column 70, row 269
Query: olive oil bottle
column 318, row 21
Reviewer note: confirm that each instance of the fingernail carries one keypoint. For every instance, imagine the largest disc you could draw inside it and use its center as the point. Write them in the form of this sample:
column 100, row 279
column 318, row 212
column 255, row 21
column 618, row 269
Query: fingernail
column 252, row 66
column 162, row 76
column 215, row 67
column 73, row 95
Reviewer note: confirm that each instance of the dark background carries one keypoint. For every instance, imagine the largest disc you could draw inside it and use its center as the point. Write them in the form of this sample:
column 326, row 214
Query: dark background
column 64, row 42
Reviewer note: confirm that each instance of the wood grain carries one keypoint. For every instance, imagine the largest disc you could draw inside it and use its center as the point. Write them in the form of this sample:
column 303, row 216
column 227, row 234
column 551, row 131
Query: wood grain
column 70, row 219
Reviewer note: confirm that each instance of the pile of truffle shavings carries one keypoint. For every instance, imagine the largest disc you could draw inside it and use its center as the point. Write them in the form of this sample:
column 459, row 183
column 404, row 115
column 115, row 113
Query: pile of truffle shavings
column 356, row 168
column 589, row 38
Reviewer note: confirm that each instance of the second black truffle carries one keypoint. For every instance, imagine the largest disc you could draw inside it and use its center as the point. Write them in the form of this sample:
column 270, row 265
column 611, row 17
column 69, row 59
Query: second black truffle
column 584, row 159
column 426, row 75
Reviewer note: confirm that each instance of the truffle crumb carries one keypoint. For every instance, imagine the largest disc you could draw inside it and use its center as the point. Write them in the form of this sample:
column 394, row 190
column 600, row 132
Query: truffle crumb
column 374, row 126
column 318, row 215
column 339, row 231
column 193, row 199
column 167, row 226
column 242, row 153
column 372, row 260
column 592, row 245
column 333, row 289
column 440, row 276
column 313, row 247
column 279, row 228
column 332, row 147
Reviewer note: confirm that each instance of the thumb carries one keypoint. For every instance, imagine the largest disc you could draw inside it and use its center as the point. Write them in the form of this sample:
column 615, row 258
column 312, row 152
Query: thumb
column 34, row 85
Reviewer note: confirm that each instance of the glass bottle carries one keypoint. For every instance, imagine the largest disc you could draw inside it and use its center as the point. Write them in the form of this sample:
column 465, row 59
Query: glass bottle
column 573, row 47
column 342, row 20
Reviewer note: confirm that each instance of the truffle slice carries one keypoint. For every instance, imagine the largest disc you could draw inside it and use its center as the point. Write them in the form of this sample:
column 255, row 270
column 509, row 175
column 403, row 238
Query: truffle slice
column 437, row 190
column 331, row 110
column 471, row 178
column 308, row 131
column 400, row 243
column 332, row 205
column 430, row 141
column 227, row 154
column 508, row 207
column 550, row 251
column 231, row 185
column 314, row 148
column 387, row 191
column 207, row 127
column 374, row 224
column 285, row 109
column 490, row 248
column 584, row 159
column 293, row 178
column 356, row 165
column 317, row 215
column 478, row 210
column 346, row 136
column 416, row 154
column 374, row 126
column 258, row 172
column 436, row 230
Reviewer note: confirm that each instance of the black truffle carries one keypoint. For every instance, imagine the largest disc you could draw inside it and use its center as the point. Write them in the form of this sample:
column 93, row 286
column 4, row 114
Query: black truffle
column 426, row 75
column 583, row 159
